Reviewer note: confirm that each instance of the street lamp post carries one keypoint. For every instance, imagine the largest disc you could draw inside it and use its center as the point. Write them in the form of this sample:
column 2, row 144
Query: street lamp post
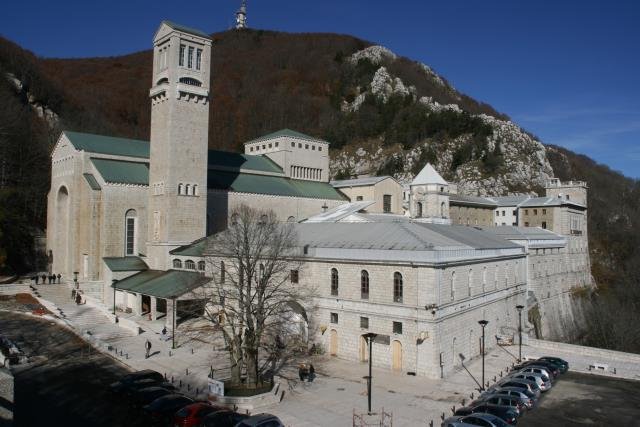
column 369, row 337
column 113, row 284
column 483, row 323
column 519, row 308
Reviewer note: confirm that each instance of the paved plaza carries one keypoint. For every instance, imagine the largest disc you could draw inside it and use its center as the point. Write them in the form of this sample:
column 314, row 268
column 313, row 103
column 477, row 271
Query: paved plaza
column 331, row 399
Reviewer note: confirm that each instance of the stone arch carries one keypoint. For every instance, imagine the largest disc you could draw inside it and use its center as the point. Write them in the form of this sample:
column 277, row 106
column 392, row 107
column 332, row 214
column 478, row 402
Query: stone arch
column 61, row 244
column 396, row 355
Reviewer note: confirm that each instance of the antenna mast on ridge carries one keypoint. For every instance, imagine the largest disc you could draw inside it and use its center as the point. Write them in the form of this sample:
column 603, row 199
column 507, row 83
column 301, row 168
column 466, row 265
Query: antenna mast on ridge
column 241, row 16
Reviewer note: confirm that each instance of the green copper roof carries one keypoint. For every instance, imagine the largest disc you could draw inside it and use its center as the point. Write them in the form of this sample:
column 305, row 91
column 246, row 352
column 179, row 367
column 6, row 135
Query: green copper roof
column 275, row 185
column 128, row 263
column 227, row 159
column 91, row 180
column 186, row 29
column 195, row 249
column 289, row 133
column 108, row 145
column 122, row 172
column 162, row 284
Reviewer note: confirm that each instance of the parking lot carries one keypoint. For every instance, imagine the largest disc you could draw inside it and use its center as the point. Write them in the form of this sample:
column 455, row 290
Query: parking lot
column 582, row 399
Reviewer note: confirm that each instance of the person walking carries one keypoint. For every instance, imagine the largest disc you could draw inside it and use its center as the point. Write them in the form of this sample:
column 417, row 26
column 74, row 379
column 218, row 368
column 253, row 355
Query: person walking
column 312, row 372
column 59, row 277
column 147, row 347
column 301, row 371
column 44, row 279
column 37, row 278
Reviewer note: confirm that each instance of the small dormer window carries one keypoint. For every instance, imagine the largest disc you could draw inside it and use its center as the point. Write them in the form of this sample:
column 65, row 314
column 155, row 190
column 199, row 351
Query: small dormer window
column 299, row 145
column 270, row 145
column 306, row 146
column 313, row 148
column 319, row 148
column 250, row 148
column 276, row 143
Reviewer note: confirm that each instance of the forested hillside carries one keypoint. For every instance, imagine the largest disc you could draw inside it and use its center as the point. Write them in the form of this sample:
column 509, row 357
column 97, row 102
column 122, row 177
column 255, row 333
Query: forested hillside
column 383, row 114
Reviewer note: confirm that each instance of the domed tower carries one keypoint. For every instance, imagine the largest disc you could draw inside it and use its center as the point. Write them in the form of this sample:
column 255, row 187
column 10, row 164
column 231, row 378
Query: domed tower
column 429, row 197
column 179, row 140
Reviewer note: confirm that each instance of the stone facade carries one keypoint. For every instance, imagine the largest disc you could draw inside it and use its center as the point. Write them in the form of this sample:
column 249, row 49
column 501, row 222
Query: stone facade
column 385, row 192
column 466, row 214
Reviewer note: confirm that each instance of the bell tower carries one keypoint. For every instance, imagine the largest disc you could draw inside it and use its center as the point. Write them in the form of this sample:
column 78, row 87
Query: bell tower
column 179, row 140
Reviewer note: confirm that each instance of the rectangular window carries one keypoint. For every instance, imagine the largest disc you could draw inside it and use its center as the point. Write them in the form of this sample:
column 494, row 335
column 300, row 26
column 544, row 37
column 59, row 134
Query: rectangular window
column 131, row 228
column 181, row 56
column 514, row 212
column 397, row 328
column 294, row 276
column 502, row 213
column 526, row 211
column 358, row 198
column 535, row 211
column 544, row 211
column 198, row 59
column 364, row 322
column 526, row 224
column 544, row 225
column 190, row 58
column 386, row 203
column 334, row 317
column 319, row 148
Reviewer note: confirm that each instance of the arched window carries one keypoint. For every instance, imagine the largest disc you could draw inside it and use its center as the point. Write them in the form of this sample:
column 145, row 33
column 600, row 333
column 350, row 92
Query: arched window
column 364, row 284
column 190, row 81
column 469, row 282
column 222, row 272
column 130, row 232
column 189, row 265
column 291, row 219
column 194, row 190
column 453, row 285
column 187, row 189
column 180, row 188
column 201, row 265
column 419, row 210
column 334, row 282
column 177, row 263
column 397, row 287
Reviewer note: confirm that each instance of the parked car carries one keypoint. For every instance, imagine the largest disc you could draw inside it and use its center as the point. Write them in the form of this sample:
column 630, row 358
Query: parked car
column 511, row 401
column 530, row 386
column 162, row 410
column 512, row 391
column 544, row 386
column 538, row 370
column 553, row 368
column 225, row 418
column 564, row 365
column 118, row 386
column 193, row 414
column 144, row 396
column 515, row 394
column 131, row 388
column 261, row 420
column 479, row 419
column 506, row 413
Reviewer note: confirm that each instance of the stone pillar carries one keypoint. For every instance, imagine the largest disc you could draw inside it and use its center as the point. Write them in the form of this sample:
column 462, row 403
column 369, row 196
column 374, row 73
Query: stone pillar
column 169, row 317
column 154, row 305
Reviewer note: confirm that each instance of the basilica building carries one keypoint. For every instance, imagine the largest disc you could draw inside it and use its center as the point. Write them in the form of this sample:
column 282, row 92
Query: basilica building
column 130, row 220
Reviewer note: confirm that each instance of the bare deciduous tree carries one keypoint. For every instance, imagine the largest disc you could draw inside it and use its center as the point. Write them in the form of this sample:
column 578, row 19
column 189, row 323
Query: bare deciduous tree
column 254, row 292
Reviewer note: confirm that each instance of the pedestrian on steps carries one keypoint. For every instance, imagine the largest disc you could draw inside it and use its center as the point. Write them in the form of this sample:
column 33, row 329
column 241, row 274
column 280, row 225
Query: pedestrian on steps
column 59, row 277
column 147, row 347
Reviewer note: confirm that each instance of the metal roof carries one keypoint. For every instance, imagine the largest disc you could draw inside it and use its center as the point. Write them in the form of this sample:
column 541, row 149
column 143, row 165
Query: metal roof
column 357, row 182
column 273, row 185
column 340, row 212
column 122, row 172
column 229, row 160
column 286, row 133
column 108, row 145
column 460, row 199
column 186, row 29
column 510, row 200
column 91, row 180
column 428, row 175
column 128, row 263
column 195, row 249
column 162, row 284
column 522, row 233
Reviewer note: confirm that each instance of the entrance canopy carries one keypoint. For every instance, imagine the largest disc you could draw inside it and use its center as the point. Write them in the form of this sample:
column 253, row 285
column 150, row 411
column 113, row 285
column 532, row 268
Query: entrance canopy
column 169, row 284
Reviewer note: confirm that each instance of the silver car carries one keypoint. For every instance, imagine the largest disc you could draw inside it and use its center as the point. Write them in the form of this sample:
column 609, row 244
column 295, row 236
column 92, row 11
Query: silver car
column 514, row 394
column 538, row 370
column 530, row 386
column 544, row 386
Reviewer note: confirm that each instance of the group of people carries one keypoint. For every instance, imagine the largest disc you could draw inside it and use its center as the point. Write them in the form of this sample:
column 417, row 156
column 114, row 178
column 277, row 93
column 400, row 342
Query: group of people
column 51, row 278
column 306, row 371
column 76, row 295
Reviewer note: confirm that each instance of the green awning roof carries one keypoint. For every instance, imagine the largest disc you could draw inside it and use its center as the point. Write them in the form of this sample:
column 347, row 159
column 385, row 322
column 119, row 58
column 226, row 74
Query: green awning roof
column 122, row 172
column 108, row 145
column 195, row 249
column 128, row 263
column 162, row 284
column 287, row 132
column 91, row 180
column 242, row 161
column 273, row 185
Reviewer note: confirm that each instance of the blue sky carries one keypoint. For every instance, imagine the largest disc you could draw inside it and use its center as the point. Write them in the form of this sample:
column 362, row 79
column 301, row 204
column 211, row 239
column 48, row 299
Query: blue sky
column 566, row 70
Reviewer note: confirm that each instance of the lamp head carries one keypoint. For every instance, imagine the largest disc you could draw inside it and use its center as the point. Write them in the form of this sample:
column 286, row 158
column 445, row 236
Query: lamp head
column 483, row 323
column 519, row 307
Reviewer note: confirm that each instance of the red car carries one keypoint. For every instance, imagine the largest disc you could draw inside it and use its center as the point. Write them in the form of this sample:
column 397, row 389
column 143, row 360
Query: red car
column 192, row 415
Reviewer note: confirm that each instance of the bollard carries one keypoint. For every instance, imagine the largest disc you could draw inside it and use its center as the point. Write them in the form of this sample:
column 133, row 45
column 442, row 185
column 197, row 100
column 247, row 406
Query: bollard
column 187, row 371
column 120, row 352
column 431, row 423
column 487, row 385
column 614, row 371
column 471, row 396
column 453, row 409
column 188, row 386
column 127, row 355
column 191, row 351
column 500, row 374
column 442, row 416
column 464, row 401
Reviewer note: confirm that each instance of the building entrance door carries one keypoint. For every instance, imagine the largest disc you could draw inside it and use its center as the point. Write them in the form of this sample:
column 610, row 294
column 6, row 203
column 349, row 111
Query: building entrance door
column 333, row 342
column 396, row 352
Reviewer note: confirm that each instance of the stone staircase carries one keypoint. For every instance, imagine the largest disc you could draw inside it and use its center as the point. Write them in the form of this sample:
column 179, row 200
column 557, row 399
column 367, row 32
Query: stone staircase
column 83, row 318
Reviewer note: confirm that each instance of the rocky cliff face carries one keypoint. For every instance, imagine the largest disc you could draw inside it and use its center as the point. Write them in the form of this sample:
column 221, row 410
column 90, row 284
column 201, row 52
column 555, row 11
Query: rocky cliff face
column 519, row 161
